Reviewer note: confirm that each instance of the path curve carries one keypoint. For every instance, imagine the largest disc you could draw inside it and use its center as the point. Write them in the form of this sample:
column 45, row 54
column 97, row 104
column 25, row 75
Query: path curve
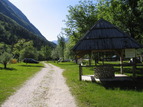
column 46, row 89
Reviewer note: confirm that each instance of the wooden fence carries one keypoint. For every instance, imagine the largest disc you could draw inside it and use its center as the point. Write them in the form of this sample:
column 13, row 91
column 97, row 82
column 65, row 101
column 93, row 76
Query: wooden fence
column 134, row 65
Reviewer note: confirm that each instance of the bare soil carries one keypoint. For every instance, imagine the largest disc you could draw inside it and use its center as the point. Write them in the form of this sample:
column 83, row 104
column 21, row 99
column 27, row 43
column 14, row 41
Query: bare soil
column 46, row 89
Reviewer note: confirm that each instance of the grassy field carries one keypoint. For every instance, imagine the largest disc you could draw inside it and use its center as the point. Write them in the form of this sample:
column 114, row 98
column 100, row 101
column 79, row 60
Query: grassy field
column 107, row 94
column 14, row 76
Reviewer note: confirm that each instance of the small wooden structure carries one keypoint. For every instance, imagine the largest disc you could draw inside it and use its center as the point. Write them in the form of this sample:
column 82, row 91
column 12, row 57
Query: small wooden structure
column 105, row 37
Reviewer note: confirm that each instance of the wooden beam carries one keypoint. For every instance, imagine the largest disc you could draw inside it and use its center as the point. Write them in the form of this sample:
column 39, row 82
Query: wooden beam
column 90, row 58
column 121, row 54
column 134, row 67
column 80, row 72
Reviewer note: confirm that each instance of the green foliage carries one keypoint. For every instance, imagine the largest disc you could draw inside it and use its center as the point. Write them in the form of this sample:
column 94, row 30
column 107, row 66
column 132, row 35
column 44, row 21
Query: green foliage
column 44, row 53
column 129, row 20
column 5, row 54
column 4, row 48
column 69, row 54
column 61, row 46
column 55, row 53
column 81, row 17
column 29, row 52
column 5, row 58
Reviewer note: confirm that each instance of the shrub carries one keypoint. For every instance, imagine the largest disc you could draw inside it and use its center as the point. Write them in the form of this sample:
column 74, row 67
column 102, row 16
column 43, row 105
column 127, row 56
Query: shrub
column 13, row 61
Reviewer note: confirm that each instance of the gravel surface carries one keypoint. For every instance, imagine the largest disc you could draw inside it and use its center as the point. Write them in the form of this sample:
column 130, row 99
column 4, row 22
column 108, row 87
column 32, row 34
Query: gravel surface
column 46, row 89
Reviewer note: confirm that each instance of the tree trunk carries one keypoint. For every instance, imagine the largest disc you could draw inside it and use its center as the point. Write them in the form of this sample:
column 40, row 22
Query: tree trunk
column 5, row 65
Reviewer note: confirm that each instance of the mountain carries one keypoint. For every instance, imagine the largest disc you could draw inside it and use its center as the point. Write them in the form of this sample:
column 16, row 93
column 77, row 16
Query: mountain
column 55, row 41
column 10, row 14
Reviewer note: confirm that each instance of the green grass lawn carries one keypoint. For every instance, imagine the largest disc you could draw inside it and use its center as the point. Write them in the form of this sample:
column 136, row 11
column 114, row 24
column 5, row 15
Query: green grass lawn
column 14, row 76
column 111, row 94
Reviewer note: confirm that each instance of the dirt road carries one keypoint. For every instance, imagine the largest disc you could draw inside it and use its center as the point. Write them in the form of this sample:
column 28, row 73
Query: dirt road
column 46, row 89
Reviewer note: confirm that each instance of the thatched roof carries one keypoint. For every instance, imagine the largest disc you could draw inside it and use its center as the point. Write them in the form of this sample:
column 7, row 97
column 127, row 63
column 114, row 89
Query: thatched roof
column 105, row 36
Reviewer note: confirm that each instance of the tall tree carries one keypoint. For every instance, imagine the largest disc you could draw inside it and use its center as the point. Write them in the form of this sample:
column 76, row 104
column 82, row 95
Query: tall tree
column 81, row 17
column 45, row 52
column 29, row 51
column 55, row 54
column 61, row 46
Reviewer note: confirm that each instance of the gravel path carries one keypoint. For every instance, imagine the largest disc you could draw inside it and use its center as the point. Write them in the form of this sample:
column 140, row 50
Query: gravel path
column 46, row 89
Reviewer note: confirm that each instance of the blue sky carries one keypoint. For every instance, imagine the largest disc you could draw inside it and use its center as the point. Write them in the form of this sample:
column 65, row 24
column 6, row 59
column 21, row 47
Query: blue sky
column 46, row 15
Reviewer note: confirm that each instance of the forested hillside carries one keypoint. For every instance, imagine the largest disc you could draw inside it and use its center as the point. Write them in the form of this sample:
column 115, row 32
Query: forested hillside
column 19, row 39
column 8, row 9
column 11, row 32
column 14, row 25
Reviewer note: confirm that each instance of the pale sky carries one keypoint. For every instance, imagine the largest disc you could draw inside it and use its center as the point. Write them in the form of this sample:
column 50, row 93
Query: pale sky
column 46, row 15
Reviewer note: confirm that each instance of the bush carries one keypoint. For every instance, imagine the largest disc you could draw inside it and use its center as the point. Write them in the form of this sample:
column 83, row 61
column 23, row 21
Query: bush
column 13, row 61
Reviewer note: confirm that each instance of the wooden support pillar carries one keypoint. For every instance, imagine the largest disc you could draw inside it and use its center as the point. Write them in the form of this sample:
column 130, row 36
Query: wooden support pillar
column 80, row 72
column 90, row 58
column 121, row 62
column 134, row 67
column 76, row 60
column 121, row 53
column 103, row 60
column 134, row 71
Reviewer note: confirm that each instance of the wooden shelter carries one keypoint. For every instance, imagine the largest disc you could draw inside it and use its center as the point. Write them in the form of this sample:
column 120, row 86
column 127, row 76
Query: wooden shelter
column 103, row 37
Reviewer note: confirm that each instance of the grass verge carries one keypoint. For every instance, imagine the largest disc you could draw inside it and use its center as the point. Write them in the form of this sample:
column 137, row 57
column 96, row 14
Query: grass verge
column 14, row 76
column 92, row 94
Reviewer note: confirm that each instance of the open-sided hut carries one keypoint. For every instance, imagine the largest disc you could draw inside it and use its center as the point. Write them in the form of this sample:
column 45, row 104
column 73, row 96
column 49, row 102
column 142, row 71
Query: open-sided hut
column 104, row 36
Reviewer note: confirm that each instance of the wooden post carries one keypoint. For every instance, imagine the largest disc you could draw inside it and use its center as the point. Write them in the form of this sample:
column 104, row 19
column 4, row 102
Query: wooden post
column 103, row 60
column 80, row 72
column 121, row 62
column 121, row 53
column 134, row 67
column 90, row 58
column 76, row 59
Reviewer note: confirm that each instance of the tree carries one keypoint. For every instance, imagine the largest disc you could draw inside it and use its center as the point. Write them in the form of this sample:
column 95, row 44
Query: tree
column 55, row 54
column 61, row 46
column 69, row 54
column 5, row 58
column 18, row 47
column 29, row 51
column 81, row 17
column 45, row 53
column 126, row 14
